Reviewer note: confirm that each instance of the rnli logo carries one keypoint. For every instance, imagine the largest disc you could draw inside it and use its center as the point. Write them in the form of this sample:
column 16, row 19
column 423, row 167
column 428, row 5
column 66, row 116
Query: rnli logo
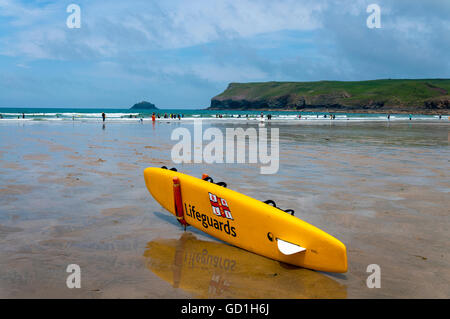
column 220, row 207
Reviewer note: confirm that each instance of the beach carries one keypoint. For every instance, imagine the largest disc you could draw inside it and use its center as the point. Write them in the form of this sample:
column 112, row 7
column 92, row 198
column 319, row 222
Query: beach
column 73, row 192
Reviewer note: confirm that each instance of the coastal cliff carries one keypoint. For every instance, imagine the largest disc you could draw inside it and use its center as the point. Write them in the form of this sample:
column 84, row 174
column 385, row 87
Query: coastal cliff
column 426, row 96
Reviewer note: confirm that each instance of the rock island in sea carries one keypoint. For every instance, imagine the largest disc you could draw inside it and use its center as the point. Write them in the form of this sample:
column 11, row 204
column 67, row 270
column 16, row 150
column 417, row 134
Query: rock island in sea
column 144, row 105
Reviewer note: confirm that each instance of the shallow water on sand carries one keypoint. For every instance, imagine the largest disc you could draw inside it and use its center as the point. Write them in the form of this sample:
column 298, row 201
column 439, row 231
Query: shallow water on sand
column 73, row 193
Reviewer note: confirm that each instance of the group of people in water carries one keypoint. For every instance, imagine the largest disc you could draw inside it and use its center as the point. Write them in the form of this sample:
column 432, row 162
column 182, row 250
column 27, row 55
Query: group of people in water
column 171, row 116
column 18, row 116
column 154, row 116
column 269, row 116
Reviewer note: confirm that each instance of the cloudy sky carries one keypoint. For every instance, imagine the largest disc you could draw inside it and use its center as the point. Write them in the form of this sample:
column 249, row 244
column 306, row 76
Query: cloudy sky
column 179, row 54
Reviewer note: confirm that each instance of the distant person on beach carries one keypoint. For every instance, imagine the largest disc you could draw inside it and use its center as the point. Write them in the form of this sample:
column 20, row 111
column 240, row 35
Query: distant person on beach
column 153, row 117
column 1, row 116
column 103, row 116
column 389, row 117
column 410, row 117
column 23, row 115
column 440, row 116
column 262, row 115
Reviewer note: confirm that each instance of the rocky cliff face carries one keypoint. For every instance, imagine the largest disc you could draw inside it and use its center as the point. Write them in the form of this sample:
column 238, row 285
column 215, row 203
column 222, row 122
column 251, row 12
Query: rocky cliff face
column 288, row 101
column 439, row 103
column 410, row 96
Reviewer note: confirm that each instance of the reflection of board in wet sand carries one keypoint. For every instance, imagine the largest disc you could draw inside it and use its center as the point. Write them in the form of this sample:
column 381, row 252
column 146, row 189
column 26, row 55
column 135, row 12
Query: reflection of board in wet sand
column 215, row 270
column 245, row 222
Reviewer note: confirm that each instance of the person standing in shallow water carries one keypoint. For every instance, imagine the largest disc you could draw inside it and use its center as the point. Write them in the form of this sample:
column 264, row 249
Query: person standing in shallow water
column 103, row 116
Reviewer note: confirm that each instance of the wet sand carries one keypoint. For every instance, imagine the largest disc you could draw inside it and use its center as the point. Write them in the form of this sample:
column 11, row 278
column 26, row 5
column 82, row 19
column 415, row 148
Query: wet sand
column 73, row 193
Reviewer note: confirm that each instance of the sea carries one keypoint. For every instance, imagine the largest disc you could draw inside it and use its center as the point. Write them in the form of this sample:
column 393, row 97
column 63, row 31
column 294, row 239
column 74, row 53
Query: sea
column 124, row 115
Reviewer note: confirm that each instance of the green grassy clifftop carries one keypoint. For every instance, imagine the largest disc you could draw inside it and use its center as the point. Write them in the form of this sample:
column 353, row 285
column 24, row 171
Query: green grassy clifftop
column 413, row 96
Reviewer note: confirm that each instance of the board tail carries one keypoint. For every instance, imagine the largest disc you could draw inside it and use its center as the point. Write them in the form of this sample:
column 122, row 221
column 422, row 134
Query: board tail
column 288, row 248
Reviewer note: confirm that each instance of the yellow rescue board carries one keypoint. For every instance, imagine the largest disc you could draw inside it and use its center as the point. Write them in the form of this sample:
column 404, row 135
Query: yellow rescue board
column 247, row 223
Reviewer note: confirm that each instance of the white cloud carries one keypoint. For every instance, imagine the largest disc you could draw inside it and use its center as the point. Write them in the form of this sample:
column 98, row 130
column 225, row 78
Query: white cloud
column 25, row 15
column 115, row 27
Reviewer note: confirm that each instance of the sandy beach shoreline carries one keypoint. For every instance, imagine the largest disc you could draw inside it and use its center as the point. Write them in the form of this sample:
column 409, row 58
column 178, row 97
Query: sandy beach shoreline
column 74, row 193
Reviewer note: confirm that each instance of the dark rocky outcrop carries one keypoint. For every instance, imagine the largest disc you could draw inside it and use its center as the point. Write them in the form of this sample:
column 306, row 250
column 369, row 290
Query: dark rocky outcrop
column 144, row 105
